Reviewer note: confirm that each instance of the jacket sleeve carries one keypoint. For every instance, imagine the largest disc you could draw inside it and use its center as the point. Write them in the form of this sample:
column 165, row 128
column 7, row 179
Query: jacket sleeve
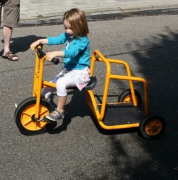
column 56, row 40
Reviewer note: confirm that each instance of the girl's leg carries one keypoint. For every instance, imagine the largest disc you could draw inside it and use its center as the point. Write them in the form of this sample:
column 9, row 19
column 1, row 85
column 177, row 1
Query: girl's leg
column 61, row 103
column 46, row 92
column 61, row 85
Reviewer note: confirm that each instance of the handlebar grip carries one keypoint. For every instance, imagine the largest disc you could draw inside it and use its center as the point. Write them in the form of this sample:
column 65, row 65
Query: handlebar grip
column 40, row 53
column 55, row 61
column 39, row 46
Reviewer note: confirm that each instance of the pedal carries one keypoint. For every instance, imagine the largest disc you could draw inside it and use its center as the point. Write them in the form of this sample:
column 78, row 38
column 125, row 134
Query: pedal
column 47, row 120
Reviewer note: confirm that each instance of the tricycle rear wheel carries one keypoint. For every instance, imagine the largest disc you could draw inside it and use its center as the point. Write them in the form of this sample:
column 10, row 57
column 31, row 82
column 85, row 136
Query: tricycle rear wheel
column 152, row 126
column 24, row 116
column 126, row 96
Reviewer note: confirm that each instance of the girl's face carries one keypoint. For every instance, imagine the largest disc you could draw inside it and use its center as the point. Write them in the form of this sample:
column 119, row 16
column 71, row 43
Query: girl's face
column 68, row 29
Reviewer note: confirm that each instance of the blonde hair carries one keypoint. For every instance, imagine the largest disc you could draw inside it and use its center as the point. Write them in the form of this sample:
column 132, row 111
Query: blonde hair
column 78, row 21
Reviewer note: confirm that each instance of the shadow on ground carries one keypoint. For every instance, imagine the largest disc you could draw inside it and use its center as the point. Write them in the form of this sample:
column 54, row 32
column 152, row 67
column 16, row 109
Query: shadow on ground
column 156, row 159
column 159, row 66
column 21, row 44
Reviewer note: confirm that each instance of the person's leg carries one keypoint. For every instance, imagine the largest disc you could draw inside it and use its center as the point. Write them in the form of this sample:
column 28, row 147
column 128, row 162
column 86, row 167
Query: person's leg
column 1, row 4
column 7, row 33
column 7, row 54
column 11, row 12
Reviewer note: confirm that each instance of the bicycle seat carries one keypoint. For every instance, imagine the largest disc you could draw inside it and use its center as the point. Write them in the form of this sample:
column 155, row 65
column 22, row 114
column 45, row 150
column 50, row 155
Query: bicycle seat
column 91, row 84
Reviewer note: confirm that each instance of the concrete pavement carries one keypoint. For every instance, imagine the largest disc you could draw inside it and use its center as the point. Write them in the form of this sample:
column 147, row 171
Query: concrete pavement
column 32, row 11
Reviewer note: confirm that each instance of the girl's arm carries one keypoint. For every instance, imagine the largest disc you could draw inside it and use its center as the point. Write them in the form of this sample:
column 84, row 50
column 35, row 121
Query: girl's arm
column 40, row 41
column 49, row 55
column 53, row 54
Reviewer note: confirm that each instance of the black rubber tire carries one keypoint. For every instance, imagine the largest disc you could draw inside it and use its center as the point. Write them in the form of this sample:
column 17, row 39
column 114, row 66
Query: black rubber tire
column 19, row 105
column 29, row 103
column 152, row 126
column 127, row 94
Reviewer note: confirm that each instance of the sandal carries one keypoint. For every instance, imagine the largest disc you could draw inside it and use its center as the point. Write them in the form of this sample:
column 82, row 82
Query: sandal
column 10, row 56
column 55, row 115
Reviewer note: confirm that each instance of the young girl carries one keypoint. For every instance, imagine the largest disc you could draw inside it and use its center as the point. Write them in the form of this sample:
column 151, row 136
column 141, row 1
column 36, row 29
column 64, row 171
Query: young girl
column 76, row 54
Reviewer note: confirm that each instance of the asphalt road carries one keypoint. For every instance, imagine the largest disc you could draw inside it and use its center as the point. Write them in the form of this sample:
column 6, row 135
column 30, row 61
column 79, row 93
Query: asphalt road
column 77, row 148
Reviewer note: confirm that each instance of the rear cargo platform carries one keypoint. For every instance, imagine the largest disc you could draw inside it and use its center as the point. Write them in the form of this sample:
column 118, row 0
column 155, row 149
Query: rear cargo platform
column 120, row 114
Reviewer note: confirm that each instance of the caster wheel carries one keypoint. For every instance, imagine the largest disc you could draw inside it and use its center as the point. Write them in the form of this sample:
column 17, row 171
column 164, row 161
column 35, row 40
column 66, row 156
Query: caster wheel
column 24, row 116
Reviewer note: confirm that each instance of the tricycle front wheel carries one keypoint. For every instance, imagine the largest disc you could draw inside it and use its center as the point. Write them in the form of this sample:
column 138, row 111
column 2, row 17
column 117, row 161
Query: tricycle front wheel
column 24, row 116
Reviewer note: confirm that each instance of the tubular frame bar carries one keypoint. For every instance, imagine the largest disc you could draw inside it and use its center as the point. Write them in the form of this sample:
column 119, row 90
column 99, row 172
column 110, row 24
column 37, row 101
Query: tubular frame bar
column 37, row 86
column 97, row 56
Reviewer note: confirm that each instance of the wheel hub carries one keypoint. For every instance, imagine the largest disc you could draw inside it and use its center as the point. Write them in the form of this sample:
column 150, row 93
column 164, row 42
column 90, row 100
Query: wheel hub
column 153, row 127
column 35, row 119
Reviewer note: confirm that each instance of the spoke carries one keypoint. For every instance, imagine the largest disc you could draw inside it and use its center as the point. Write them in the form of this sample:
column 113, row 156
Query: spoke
column 44, row 112
column 27, row 114
column 149, row 131
column 28, row 122
column 40, row 124
column 26, row 118
column 158, row 123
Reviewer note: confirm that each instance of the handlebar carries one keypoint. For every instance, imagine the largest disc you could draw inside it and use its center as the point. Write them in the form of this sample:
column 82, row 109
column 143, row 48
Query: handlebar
column 55, row 61
column 41, row 54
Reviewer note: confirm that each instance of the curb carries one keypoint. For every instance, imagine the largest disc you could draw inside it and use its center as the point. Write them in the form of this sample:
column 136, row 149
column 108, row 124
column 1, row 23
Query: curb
column 102, row 16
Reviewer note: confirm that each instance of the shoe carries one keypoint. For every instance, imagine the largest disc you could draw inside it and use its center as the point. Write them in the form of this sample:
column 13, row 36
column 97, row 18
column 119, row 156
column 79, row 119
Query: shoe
column 10, row 56
column 55, row 115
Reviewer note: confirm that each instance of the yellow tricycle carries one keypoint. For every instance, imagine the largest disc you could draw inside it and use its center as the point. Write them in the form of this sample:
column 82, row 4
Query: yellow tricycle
column 123, row 114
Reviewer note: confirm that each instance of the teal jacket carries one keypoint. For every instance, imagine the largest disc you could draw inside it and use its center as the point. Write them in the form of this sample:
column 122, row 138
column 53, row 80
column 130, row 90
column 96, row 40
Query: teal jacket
column 77, row 54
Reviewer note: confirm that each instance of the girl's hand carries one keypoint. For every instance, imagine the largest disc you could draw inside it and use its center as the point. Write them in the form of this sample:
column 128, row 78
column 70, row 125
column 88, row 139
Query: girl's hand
column 50, row 55
column 34, row 45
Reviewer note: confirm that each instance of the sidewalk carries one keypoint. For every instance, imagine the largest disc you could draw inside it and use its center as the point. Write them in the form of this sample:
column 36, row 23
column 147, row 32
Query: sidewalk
column 33, row 11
